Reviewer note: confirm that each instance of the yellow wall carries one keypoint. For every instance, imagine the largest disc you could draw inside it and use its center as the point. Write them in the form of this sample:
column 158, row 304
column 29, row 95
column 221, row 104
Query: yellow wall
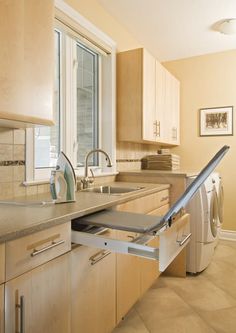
column 208, row 81
column 94, row 12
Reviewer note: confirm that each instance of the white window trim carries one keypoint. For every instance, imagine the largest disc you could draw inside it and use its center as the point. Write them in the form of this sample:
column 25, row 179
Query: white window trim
column 107, row 121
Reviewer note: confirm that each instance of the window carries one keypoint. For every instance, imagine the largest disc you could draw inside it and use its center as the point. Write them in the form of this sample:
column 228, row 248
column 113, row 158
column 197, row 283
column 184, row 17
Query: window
column 87, row 103
column 47, row 139
column 83, row 104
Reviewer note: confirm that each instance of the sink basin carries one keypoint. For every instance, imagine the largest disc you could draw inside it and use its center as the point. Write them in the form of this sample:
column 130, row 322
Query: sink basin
column 118, row 190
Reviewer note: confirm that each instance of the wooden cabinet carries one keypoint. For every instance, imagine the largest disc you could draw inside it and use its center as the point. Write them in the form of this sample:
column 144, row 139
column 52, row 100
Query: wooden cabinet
column 39, row 300
column 2, row 308
column 128, row 278
column 26, row 62
column 147, row 100
column 134, row 274
column 167, row 106
column 93, row 289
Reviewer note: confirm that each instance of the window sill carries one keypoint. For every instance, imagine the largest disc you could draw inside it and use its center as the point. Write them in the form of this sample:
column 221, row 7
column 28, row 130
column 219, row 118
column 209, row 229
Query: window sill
column 47, row 181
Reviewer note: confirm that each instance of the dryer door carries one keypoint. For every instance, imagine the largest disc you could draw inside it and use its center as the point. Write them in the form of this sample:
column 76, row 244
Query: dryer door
column 214, row 218
column 220, row 203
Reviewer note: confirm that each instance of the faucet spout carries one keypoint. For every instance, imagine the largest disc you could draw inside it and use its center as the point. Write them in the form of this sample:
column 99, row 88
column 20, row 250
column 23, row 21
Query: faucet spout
column 85, row 181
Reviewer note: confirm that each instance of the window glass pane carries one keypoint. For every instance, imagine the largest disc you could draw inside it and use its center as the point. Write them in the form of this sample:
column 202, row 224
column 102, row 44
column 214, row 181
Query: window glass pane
column 87, row 104
column 47, row 139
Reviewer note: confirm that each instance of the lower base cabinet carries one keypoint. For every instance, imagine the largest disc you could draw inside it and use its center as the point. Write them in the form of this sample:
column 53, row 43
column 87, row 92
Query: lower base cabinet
column 2, row 309
column 93, row 290
column 39, row 300
column 128, row 278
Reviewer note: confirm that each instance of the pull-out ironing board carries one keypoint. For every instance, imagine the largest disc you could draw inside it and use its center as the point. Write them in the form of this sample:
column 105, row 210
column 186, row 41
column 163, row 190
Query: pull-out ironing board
column 172, row 228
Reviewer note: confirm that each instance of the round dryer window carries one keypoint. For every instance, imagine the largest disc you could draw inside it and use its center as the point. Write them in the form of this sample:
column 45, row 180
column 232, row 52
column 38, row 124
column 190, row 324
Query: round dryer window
column 214, row 213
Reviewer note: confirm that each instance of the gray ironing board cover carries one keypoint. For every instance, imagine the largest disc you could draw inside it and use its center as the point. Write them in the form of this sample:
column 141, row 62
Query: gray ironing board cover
column 151, row 224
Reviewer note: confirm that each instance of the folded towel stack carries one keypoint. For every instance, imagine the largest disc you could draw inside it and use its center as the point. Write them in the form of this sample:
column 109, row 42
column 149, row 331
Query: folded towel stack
column 161, row 162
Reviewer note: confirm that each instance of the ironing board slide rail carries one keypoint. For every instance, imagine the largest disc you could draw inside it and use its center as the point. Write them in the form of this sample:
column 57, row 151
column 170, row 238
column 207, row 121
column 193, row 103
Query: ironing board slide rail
column 114, row 245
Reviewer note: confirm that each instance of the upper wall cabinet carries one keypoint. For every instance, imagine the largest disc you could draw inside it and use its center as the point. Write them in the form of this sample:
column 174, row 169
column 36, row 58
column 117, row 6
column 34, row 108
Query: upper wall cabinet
column 26, row 62
column 147, row 100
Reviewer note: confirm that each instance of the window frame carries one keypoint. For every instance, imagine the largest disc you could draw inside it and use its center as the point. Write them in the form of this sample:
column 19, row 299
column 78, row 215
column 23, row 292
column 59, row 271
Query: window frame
column 90, row 35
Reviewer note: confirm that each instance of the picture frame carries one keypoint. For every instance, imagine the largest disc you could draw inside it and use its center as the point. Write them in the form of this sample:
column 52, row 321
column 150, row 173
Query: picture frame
column 216, row 121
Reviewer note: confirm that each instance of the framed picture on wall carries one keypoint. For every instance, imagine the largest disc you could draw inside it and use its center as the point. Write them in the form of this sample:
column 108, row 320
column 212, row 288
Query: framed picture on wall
column 216, row 121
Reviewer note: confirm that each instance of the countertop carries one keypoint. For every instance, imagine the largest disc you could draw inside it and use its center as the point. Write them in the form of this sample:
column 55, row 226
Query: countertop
column 150, row 173
column 20, row 220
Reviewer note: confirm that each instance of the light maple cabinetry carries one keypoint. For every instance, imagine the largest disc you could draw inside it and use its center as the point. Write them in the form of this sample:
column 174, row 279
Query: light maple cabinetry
column 37, row 287
column 93, row 289
column 39, row 300
column 26, row 62
column 147, row 100
column 134, row 274
column 2, row 308
column 127, row 277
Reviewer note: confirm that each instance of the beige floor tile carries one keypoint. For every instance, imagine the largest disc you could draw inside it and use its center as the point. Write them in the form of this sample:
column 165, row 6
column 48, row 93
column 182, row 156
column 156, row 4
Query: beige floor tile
column 200, row 293
column 183, row 324
column 131, row 324
column 226, row 253
column 223, row 275
column 161, row 303
column 222, row 321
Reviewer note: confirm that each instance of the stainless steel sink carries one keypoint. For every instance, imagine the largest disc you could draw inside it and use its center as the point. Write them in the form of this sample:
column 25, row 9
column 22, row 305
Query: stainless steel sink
column 115, row 190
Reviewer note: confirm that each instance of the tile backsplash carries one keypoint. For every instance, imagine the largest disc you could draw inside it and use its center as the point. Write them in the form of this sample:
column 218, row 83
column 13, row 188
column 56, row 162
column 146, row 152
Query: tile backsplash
column 128, row 155
column 12, row 165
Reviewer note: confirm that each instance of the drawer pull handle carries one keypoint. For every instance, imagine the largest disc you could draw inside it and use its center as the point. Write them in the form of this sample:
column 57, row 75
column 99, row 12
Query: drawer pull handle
column 164, row 198
column 183, row 241
column 98, row 256
column 21, row 308
column 54, row 244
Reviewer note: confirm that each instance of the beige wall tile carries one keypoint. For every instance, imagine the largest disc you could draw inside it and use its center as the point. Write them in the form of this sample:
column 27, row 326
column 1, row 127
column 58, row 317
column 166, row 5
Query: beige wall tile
column 19, row 136
column 6, row 174
column 43, row 188
column 6, row 135
column 31, row 190
column 19, row 173
column 19, row 190
column 6, row 152
column 19, row 153
column 6, row 190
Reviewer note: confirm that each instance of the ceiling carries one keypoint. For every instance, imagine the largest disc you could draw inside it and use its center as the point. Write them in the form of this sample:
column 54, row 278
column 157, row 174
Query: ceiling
column 175, row 29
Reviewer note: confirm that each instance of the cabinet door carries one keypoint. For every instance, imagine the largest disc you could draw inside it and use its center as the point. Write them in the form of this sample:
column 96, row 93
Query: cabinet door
column 2, row 308
column 93, row 290
column 161, row 115
column 175, row 93
column 128, row 278
column 38, row 301
column 149, row 129
column 150, row 268
column 27, row 61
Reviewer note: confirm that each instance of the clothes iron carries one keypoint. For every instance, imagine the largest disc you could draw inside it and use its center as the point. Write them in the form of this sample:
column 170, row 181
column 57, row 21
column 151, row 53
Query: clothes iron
column 63, row 180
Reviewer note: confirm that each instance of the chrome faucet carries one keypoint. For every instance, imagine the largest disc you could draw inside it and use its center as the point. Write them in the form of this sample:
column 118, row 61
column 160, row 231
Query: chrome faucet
column 86, row 180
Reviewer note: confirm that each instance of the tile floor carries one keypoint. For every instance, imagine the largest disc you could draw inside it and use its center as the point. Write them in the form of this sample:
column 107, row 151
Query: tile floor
column 205, row 303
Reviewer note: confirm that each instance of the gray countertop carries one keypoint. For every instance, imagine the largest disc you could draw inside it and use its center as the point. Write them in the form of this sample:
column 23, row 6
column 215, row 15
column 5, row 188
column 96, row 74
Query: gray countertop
column 150, row 173
column 17, row 221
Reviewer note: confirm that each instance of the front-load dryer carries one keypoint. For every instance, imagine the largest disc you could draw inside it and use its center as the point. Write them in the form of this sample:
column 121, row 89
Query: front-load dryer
column 204, row 221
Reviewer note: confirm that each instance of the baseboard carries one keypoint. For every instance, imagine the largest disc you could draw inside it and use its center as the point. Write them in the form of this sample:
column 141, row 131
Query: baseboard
column 228, row 235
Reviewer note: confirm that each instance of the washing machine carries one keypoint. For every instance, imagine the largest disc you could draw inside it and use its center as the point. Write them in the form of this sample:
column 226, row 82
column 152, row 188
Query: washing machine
column 204, row 224
column 220, row 197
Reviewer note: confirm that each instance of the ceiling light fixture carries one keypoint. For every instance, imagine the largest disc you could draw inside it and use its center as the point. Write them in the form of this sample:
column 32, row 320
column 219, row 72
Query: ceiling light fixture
column 228, row 26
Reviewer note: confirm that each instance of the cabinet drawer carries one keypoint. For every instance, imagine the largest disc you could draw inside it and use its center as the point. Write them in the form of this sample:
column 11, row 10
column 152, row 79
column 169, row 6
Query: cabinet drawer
column 28, row 252
column 173, row 240
column 2, row 263
column 147, row 203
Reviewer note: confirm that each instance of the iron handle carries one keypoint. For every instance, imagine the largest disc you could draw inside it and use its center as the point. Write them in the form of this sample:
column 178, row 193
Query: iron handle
column 98, row 256
column 157, row 127
column 22, row 315
column 54, row 244
column 183, row 241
